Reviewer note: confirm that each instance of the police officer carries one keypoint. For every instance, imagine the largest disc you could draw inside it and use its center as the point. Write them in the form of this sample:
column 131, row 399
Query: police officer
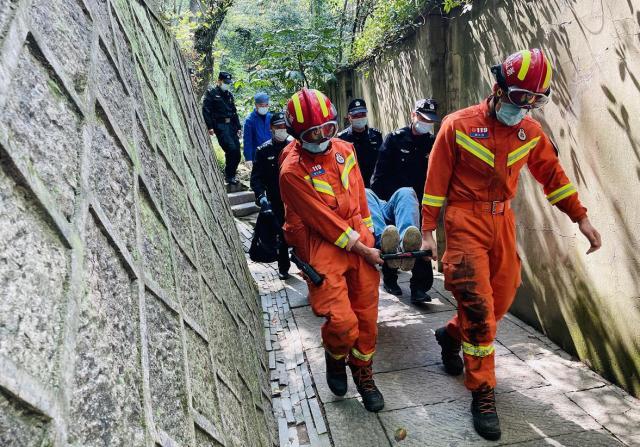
column 365, row 139
column 265, row 185
column 221, row 117
column 402, row 162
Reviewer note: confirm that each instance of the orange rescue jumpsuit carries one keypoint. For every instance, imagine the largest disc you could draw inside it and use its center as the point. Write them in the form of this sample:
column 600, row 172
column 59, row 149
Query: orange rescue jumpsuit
column 474, row 165
column 326, row 213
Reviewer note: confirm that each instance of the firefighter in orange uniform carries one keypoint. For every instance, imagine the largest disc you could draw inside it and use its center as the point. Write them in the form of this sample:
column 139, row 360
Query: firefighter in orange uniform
column 474, row 165
column 327, row 222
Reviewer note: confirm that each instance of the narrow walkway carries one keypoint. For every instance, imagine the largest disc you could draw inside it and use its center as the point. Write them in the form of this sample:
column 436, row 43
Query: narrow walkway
column 545, row 398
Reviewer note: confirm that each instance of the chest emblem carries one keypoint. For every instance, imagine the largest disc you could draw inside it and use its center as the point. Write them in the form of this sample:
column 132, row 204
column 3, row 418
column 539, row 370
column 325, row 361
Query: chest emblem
column 271, row 158
column 405, row 151
column 522, row 135
column 339, row 158
column 479, row 132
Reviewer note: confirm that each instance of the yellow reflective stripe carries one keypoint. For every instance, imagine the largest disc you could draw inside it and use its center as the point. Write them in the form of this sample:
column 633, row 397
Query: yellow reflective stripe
column 522, row 151
column 320, row 185
column 475, row 148
column 323, row 104
column 477, row 350
column 437, row 201
column 368, row 221
column 547, row 77
column 561, row 193
column 349, row 163
column 360, row 356
column 298, row 108
column 343, row 239
column 526, row 61
column 335, row 356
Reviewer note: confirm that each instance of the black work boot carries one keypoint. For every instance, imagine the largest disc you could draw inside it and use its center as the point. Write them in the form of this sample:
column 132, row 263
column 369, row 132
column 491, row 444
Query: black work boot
column 419, row 296
column 336, row 374
column 453, row 364
column 391, row 286
column 485, row 415
column 371, row 396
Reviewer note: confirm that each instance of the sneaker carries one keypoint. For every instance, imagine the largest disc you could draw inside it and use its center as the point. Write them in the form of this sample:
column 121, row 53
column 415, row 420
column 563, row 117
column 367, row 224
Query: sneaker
column 485, row 414
column 391, row 286
column 336, row 374
column 371, row 396
column 284, row 276
column 450, row 353
column 411, row 241
column 389, row 242
column 419, row 296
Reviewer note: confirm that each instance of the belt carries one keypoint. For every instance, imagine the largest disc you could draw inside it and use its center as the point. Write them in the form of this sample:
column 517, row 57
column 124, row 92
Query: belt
column 223, row 120
column 495, row 207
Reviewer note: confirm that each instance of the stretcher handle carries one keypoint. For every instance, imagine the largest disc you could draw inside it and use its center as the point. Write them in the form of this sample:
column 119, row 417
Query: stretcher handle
column 406, row 254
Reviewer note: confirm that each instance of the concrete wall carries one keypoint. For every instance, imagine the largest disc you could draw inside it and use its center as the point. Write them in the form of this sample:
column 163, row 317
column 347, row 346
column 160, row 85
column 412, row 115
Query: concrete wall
column 127, row 312
column 588, row 305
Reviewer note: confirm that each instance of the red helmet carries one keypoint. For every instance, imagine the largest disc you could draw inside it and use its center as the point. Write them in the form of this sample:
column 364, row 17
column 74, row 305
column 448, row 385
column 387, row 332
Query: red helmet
column 525, row 77
column 310, row 116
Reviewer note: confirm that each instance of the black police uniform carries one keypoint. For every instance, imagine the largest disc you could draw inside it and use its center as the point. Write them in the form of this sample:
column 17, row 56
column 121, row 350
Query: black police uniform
column 367, row 144
column 265, row 181
column 221, row 116
column 402, row 162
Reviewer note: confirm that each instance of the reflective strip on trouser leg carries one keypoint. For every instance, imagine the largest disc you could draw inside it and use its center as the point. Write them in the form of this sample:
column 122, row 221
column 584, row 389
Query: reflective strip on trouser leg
column 360, row 356
column 477, row 350
column 335, row 356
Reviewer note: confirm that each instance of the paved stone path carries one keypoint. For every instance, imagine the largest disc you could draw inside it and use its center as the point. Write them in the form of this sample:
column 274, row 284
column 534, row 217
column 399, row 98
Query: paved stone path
column 544, row 397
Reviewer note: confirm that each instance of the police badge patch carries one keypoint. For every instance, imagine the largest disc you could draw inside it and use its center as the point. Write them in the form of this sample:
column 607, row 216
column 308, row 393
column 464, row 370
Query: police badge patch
column 339, row 158
column 522, row 135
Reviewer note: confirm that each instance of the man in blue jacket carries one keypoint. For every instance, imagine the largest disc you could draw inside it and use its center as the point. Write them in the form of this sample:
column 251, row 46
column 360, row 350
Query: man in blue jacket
column 257, row 129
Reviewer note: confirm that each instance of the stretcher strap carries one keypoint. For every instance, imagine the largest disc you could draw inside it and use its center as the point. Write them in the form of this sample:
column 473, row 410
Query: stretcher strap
column 561, row 193
column 360, row 356
column 522, row 151
column 437, row 201
column 477, row 350
column 475, row 148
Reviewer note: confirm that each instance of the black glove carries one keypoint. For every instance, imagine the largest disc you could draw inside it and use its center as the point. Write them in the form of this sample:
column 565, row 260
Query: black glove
column 265, row 205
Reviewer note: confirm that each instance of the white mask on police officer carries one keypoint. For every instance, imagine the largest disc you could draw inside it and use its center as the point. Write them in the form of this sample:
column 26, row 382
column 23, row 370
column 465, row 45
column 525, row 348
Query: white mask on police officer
column 280, row 134
column 224, row 87
column 423, row 128
column 360, row 123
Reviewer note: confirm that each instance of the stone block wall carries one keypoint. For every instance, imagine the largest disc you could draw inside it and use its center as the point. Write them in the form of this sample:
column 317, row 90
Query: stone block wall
column 590, row 305
column 127, row 312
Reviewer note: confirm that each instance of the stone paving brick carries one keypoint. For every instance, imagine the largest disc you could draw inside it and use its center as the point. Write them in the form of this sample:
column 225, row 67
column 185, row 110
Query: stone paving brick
column 566, row 374
column 592, row 438
column 526, row 345
column 395, row 308
column 352, row 425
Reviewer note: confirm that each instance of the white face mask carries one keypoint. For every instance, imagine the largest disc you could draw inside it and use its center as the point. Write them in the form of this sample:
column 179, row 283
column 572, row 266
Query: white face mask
column 280, row 134
column 316, row 148
column 262, row 110
column 360, row 123
column 224, row 87
column 424, row 128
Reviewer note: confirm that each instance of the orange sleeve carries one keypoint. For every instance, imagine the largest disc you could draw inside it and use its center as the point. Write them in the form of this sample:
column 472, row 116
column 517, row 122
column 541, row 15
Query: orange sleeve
column 298, row 194
column 545, row 167
column 439, row 172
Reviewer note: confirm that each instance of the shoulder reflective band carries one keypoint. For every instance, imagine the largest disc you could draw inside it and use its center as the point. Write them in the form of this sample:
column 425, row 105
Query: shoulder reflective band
column 360, row 356
column 320, row 186
column 561, row 193
column 526, row 61
column 368, row 221
column 430, row 200
column 475, row 148
column 522, row 151
column 477, row 350
column 298, row 108
column 349, row 163
column 343, row 240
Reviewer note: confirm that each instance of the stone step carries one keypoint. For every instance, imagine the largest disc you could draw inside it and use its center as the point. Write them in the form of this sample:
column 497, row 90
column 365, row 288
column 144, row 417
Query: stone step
column 244, row 209
column 235, row 188
column 237, row 198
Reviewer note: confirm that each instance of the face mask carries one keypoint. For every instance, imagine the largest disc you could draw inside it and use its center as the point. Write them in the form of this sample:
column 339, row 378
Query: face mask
column 280, row 134
column 316, row 148
column 262, row 110
column 424, row 128
column 224, row 87
column 360, row 123
column 509, row 114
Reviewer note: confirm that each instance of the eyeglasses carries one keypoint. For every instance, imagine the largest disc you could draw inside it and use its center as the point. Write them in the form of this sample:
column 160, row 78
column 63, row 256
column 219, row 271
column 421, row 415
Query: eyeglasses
column 321, row 133
column 526, row 99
